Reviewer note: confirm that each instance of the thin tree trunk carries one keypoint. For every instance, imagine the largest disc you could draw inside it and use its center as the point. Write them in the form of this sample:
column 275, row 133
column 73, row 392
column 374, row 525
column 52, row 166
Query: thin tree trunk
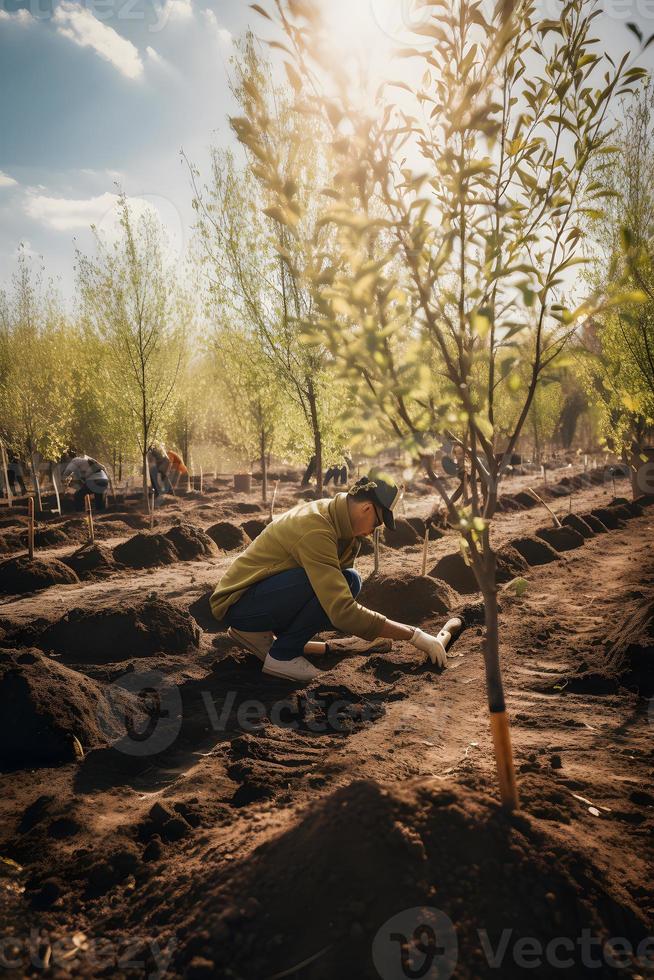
column 317, row 437
column 145, row 481
column 264, row 469
column 496, row 704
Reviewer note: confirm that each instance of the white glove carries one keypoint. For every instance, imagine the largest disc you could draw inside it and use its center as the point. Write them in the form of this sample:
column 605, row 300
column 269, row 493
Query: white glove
column 431, row 646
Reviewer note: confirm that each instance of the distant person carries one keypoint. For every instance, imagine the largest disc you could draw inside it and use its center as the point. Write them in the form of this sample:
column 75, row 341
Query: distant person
column 159, row 467
column 296, row 579
column 177, row 468
column 89, row 478
column 310, row 472
column 16, row 475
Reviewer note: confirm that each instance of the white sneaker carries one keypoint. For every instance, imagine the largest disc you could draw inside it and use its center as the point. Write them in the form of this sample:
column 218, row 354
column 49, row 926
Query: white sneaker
column 297, row 669
column 257, row 643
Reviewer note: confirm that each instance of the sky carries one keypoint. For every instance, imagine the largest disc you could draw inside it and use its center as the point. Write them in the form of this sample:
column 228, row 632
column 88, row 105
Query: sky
column 100, row 93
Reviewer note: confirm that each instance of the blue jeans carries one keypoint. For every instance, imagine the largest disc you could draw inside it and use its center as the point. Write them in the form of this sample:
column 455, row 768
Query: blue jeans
column 286, row 605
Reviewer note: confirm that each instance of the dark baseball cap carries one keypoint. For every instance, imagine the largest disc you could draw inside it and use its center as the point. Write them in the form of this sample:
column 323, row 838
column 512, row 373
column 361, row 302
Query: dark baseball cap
column 382, row 491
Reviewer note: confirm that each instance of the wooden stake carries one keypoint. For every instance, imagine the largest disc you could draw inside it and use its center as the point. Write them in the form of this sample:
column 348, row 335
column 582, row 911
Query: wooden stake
column 201, row 479
column 89, row 517
column 425, row 545
column 36, row 483
column 151, row 508
column 557, row 522
column 56, row 490
column 30, row 526
column 6, row 474
column 375, row 541
column 504, row 759
column 272, row 502
column 189, row 485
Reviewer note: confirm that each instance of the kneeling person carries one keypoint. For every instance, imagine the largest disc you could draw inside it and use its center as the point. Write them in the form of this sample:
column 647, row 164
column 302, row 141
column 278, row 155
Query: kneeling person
column 296, row 579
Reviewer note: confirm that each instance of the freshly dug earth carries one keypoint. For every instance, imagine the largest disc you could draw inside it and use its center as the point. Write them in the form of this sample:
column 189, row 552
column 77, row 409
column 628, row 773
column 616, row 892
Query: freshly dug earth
column 407, row 598
column 535, row 551
column 594, row 523
column 579, row 525
column 403, row 535
column 453, row 570
column 191, row 542
column 631, row 647
column 23, row 574
column 609, row 517
column 146, row 550
column 381, row 865
column 92, row 561
column 43, row 705
column 253, row 527
column 561, row 538
column 110, row 635
column 228, row 537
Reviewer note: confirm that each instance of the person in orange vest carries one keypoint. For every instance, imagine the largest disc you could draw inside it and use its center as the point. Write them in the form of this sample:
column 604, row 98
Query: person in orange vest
column 177, row 468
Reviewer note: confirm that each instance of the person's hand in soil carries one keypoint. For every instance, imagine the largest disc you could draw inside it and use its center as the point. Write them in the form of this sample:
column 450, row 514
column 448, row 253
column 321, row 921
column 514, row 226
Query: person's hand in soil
column 434, row 646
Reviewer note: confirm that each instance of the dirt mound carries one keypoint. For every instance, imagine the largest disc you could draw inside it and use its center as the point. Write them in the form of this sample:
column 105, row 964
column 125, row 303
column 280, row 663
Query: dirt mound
column 609, row 517
column 92, row 561
column 632, row 506
column 508, row 503
column 631, row 647
column 254, row 527
column 131, row 519
column 146, row 550
column 18, row 575
column 561, row 538
column 407, row 598
column 453, row 570
column 403, row 535
column 427, row 866
column 191, row 542
column 535, row 551
column 228, row 537
column 15, row 522
column 594, row 523
column 43, row 705
column 525, row 499
column 110, row 635
column 579, row 525
column 243, row 507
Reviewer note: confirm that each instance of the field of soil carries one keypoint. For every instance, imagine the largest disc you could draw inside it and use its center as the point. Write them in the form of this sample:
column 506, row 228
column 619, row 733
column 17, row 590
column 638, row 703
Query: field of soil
column 167, row 810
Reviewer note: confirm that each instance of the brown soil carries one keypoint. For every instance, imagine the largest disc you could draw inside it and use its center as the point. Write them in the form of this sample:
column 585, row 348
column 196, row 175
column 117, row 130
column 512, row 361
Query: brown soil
column 366, row 853
column 579, row 525
column 594, row 523
column 281, row 830
column 407, row 598
column 19, row 575
column 228, row 537
column 609, row 517
column 191, row 542
column 92, row 561
column 535, row 551
column 561, row 538
column 453, row 570
column 146, row 550
column 253, row 527
column 110, row 635
column 403, row 535
column 43, row 705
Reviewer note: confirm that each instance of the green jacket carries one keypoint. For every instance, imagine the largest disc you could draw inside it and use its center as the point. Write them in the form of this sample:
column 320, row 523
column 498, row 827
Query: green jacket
column 316, row 536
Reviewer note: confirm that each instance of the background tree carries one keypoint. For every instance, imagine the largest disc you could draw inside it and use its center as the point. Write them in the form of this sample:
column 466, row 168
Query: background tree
column 256, row 266
column 36, row 389
column 619, row 368
column 130, row 300
column 485, row 240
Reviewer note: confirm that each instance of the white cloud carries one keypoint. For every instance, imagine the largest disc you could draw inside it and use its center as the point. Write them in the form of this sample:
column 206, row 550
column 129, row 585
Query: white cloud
column 64, row 214
column 178, row 9
column 22, row 17
column 80, row 26
column 6, row 180
column 221, row 33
